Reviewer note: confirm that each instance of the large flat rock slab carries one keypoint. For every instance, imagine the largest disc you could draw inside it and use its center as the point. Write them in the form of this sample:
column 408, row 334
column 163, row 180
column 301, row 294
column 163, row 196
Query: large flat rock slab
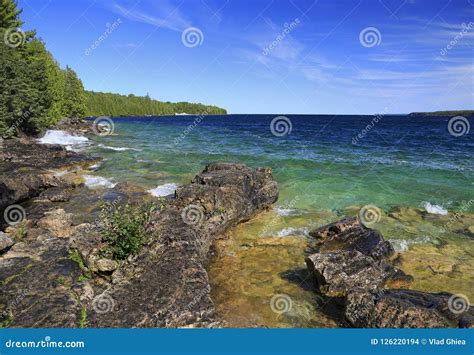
column 169, row 286
column 48, row 279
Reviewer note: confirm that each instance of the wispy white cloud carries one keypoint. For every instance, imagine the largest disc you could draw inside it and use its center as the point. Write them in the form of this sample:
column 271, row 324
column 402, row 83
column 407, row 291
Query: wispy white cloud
column 125, row 45
column 165, row 14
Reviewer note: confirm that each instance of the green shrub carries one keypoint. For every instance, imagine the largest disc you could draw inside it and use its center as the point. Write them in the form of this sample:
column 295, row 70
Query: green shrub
column 124, row 227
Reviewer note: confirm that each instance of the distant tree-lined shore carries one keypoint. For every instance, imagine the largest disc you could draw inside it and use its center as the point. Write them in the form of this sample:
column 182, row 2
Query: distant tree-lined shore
column 107, row 104
column 465, row 113
column 35, row 92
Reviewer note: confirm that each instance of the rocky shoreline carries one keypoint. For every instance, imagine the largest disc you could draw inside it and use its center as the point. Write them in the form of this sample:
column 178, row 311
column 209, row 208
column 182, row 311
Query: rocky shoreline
column 53, row 272
column 354, row 265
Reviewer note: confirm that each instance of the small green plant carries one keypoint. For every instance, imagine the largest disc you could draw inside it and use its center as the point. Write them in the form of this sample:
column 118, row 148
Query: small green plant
column 220, row 211
column 124, row 227
column 64, row 281
column 83, row 277
column 83, row 318
column 20, row 232
column 7, row 321
column 76, row 257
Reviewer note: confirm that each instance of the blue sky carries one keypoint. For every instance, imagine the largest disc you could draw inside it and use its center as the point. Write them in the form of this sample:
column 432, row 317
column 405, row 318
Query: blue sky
column 269, row 56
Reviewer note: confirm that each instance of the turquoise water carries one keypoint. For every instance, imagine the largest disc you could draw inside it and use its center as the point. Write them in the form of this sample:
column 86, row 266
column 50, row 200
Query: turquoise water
column 401, row 161
column 399, row 165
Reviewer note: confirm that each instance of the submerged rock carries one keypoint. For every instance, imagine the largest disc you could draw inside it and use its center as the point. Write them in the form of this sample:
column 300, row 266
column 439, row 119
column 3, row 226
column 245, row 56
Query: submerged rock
column 470, row 231
column 352, row 262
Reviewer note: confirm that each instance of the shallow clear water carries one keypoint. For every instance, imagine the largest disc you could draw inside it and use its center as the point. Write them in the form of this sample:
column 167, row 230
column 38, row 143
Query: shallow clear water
column 399, row 165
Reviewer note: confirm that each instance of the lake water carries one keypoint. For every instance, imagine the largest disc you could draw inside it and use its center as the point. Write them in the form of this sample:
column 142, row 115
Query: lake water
column 411, row 171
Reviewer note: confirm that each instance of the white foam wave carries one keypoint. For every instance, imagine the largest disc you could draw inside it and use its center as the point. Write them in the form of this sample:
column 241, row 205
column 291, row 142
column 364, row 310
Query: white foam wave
column 163, row 190
column 62, row 138
column 434, row 209
column 59, row 173
column 291, row 231
column 94, row 167
column 92, row 182
column 402, row 245
column 118, row 149
column 282, row 211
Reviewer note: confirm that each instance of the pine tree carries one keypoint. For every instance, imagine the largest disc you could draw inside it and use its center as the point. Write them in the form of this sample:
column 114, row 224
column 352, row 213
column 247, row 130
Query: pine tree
column 31, row 82
column 74, row 96
column 9, row 14
column 13, row 87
